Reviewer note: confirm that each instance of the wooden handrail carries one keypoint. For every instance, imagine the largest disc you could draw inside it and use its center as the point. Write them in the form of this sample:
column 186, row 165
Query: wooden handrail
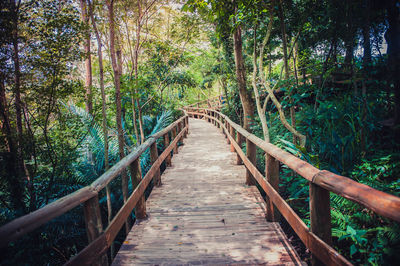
column 98, row 241
column 210, row 101
column 322, row 182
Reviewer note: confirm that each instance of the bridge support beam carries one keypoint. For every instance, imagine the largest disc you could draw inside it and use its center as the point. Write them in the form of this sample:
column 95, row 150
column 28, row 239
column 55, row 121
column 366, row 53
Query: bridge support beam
column 232, row 133
column 94, row 225
column 320, row 216
column 251, row 153
column 136, row 177
column 239, row 142
column 173, row 137
column 227, row 131
column 168, row 160
column 272, row 175
column 153, row 157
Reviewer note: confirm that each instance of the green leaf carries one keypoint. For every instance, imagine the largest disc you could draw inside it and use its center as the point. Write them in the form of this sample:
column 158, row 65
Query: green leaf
column 353, row 250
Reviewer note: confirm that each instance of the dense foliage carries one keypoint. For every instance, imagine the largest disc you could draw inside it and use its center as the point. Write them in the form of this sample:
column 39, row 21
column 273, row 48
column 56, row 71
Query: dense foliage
column 70, row 82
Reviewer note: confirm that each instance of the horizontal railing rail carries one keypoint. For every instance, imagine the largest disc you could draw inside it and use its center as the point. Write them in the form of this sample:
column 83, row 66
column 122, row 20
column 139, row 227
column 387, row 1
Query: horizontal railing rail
column 101, row 239
column 211, row 103
column 318, row 238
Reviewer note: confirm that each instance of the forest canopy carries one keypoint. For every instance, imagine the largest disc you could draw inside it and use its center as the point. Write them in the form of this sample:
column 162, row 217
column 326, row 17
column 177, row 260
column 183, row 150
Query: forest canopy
column 84, row 82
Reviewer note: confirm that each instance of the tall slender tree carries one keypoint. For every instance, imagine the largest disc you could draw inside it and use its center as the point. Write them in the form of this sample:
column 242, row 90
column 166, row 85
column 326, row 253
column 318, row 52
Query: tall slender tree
column 117, row 68
column 88, row 58
column 104, row 112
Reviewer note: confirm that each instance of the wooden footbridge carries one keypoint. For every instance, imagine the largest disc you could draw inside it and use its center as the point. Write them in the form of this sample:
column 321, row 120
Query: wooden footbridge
column 205, row 209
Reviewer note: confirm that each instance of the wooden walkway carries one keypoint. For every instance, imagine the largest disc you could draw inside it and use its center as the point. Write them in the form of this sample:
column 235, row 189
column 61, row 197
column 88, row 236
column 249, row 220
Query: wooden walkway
column 204, row 213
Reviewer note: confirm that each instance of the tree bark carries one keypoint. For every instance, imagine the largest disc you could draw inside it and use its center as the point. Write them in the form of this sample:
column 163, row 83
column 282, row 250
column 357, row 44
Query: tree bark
column 88, row 60
column 104, row 115
column 366, row 34
column 135, row 66
column 117, row 83
column 284, row 39
column 261, row 110
column 392, row 37
column 15, row 180
column 21, row 173
column 286, row 64
column 245, row 97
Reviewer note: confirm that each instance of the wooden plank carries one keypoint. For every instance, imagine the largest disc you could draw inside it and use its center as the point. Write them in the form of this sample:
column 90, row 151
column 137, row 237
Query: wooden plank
column 116, row 224
column 194, row 221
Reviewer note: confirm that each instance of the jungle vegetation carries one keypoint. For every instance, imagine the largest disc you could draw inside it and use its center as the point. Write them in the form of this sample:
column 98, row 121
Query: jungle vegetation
column 83, row 82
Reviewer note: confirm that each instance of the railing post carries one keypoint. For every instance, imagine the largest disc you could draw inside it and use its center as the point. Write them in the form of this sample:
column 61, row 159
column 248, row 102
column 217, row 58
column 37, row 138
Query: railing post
column 232, row 133
column 173, row 138
column 239, row 142
column 251, row 153
column 272, row 175
column 227, row 131
column 178, row 130
column 125, row 195
column 166, row 143
column 320, row 216
column 184, row 126
column 136, row 177
column 218, row 118
column 187, row 124
column 213, row 115
column 94, row 225
column 153, row 158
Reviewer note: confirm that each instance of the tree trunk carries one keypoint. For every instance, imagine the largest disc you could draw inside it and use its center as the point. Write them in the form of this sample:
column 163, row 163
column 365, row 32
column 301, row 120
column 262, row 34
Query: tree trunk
column 88, row 60
column 349, row 37
column 245, row 97
column 15, row 179
column 286, row 64
column 135, row 65
column 21, row 173
column 392, row 37
column 104, row 115
column 117, row 83
column 260, row 110
column 284, row 39
column 366, row 35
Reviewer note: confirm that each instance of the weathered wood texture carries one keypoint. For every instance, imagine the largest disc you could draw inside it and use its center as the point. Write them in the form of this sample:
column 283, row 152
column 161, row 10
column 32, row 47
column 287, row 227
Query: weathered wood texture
column 204, row 213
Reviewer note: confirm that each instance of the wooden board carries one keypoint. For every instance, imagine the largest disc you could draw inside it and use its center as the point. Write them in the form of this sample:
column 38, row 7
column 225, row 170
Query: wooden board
column 204, row 213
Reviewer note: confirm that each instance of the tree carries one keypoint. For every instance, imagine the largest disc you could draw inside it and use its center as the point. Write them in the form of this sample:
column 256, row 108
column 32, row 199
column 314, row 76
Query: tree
column 88, row 58
column 117, row 69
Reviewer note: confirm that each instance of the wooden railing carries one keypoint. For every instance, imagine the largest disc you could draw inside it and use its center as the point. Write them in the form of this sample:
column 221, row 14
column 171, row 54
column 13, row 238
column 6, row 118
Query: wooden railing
column 318, row 238
column 100, row 240
column 214, row 103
